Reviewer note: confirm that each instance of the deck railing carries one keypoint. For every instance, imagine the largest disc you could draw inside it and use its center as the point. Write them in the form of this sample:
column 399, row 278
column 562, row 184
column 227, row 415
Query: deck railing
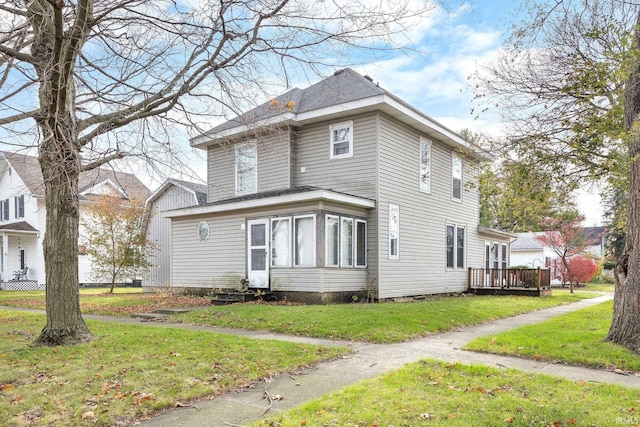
column 528, row 278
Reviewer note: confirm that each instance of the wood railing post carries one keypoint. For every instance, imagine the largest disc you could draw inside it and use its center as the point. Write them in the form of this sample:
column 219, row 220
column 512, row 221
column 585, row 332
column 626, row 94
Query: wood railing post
column 469, row 279
column 539, row 279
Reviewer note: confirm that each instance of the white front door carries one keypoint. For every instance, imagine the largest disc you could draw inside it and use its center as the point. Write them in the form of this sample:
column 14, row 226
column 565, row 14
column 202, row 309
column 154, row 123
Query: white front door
column 257, row 253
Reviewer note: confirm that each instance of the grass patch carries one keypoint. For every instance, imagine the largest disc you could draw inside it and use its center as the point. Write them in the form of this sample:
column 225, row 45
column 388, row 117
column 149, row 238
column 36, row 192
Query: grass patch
column 381, row 323
column 130, row 372
column 123, row 302
column 430, row 393
column 574, row 338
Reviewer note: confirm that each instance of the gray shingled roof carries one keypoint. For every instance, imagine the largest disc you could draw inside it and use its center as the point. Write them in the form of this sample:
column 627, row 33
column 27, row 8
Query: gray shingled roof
column 526, row 241
column 342, row 87
column 28, row 168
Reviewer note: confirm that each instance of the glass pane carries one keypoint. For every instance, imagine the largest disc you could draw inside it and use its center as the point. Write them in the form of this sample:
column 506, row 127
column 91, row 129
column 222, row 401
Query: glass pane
column 246, row 161
column 258, row 259
column 460, row 247
column 394, row 229
column 258, row 237
column 450, row 232
column 457, row 193
column 304, row 251
column 361, row 243
column 341, row 148
column 280, row 243
column 341, row 134
column 425, row 173
column 332, row 240
column 346, row 240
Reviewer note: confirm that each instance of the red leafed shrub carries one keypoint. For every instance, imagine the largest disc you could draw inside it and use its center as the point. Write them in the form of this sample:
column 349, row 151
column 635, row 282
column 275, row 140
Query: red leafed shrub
column 582, row 269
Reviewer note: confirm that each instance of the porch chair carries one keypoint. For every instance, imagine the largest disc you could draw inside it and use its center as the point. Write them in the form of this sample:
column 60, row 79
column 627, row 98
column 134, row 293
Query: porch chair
column 20, row 274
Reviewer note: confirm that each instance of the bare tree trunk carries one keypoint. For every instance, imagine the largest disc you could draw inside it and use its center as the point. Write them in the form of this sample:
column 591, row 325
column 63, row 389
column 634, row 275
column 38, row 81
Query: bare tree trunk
column 625, row 327
column 60, row 169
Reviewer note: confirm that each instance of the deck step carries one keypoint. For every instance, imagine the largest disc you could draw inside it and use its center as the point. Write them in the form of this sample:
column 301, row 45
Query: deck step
column 225, row 300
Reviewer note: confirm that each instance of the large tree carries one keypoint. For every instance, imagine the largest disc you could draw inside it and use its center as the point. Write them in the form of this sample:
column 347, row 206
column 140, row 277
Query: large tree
column 100, row 80
column 569, row 87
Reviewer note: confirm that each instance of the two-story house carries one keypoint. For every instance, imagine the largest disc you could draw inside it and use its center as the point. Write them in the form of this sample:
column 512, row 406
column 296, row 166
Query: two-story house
column 23, row 216
column 337, row 190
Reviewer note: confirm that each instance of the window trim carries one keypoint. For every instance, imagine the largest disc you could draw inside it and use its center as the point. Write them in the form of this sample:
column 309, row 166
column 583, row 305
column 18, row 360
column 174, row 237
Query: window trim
column 455, row 157
column 237, row 146
column 289, row 242
column 395, row 256
column 326, row 240
column 455, row 266
column 425, row 187
column 336, row 126
column 295, row 241
column 355, row 244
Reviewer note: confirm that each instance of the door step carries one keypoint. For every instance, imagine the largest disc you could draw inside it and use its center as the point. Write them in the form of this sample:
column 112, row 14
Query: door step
column 226, row 297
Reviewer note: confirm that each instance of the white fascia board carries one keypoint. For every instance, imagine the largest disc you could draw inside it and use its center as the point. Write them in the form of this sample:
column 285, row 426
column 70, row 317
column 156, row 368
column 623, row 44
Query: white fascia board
column 202, row 141
column 14, row 232
column 364, row 104
column 274, row 201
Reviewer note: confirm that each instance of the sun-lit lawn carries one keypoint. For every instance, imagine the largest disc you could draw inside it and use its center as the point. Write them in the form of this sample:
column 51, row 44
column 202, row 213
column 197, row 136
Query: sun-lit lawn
column 575, row 338
column 123, row 302
column 430, row 393
column 381, row 322
column 130, row 372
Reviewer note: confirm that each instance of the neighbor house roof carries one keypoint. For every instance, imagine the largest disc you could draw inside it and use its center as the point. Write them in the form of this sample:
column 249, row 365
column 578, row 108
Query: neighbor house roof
column 21, row 226
column 28, row 168
column 594, row 234
column 527, row 241
column 345, row 92
column 199, row 191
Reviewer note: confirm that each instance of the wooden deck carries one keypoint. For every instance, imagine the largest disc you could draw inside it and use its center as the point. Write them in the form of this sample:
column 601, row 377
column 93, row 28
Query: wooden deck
column 510, row 281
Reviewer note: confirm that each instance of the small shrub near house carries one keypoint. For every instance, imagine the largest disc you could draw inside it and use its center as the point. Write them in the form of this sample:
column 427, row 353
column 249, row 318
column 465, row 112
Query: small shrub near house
column 582, row 269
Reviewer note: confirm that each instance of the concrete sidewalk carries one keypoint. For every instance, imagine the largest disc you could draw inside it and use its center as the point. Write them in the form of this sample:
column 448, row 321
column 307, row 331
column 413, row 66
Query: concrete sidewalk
column 245, row 406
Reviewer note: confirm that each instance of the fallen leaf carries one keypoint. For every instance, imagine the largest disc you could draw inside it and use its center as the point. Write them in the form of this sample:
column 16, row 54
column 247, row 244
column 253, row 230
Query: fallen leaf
column 303, row 423
column 492, row 341
column 7, row 387
column 16, row 400
column 508, row 420
column 88, row 415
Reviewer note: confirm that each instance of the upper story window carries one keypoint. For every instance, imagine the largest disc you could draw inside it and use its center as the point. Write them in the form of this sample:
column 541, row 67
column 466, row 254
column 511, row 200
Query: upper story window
column 425, row 165
column 246, row 168
column 4, row 210
column 456, row 177
column 19, row 206
column 341, row 140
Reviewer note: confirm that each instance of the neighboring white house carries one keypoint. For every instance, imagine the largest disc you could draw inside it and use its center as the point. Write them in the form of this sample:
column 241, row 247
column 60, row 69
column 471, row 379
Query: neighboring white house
column 23, row 216
column 172, row 194
column 526, row 250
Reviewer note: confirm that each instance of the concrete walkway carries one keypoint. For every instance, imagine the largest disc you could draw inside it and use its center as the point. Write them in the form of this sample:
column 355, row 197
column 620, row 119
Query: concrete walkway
column 242, row 407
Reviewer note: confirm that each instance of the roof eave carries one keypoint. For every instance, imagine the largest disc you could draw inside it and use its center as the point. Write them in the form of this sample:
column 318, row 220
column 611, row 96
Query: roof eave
column 326, row 195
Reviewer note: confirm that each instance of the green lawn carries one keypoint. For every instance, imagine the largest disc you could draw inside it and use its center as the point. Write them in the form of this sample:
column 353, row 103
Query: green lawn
column 123, row 302
column 430, row 393
column 574, row 338
column 381, row 323
column 131, row 372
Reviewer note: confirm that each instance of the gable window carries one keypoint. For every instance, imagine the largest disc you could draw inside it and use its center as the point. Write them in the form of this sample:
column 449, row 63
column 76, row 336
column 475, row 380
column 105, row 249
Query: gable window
column 455, row 246
column 246, row 168
column 341, row 140
column 456, row 177
column 332, row 240
column 4, row 209
column 394, row 231
column 19, row 202
column 425, row 165
column 304, row 241
column 280, row 242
